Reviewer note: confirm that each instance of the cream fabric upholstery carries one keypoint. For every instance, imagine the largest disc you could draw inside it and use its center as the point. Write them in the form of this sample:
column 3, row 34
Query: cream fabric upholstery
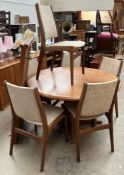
column 50, row 28
column 69, row 43
column 110, row 65
column 33, row 64
column 52, row 112
column 25, row 105
column 66, row 60
column 48, row 22
column 98, row 99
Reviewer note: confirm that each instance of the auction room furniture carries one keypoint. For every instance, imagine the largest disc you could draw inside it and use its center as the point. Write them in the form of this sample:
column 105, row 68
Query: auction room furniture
column 56, row 85
column 106, row 40
column 26, row 104
column 113, row 66
column 5, row 28
column 49, row 31
column 96, row 99
column 83, row 25
column 13, row 71
column 9, row 70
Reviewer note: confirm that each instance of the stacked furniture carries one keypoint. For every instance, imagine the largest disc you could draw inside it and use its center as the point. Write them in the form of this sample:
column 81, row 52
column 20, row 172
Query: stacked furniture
column 5, row 28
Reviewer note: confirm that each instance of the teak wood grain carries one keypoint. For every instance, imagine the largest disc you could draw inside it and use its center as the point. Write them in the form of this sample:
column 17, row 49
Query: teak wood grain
column 56, row 84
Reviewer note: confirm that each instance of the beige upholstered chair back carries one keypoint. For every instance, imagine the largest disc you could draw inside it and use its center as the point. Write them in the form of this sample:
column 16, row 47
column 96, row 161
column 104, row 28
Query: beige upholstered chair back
column 32, row 69
column 47, row 20
column 24, row 102
column 98, row 98
column 111, row 65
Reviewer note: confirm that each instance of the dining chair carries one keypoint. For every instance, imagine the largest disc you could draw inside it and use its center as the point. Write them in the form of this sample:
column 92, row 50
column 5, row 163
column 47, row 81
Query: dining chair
column 26, row 104
column 113, row 66
column 48, row 30
column 96, row 99
column 24, row 60
column 28, row 66
column 106, row 41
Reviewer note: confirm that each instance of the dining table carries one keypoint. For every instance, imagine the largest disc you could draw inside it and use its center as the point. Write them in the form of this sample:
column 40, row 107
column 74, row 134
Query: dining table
column 56, row 84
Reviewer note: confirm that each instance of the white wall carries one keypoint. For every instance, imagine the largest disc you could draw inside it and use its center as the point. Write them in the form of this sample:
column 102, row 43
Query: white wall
column 20, row 7
column 77, row 5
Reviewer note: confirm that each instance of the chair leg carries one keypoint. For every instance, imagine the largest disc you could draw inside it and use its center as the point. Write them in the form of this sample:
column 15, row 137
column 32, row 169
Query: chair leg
column 72, row 67
column 93, row 122
column 111, row 138
column 35, row 129
column 110, row 119
column 39, row 67
column 83, row 61
column 73, row 137
column 77, row 139
column 53, row 61
column 12, row 139
column 116, row 106
column 66, row 129
column 11, row 144
column 43, row 152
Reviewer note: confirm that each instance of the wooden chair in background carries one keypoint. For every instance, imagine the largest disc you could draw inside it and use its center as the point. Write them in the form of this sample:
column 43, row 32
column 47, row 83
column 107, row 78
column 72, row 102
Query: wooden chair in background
column 27, row 106
column 106, row 40
column 48, row 31
column 98, row 96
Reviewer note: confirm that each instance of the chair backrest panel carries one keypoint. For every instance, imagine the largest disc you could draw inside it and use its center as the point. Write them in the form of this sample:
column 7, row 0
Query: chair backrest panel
column 24, row 60
column 48, row 22
column 111, row 65
column 98, row 98
column 24, row 102
column 33, row 64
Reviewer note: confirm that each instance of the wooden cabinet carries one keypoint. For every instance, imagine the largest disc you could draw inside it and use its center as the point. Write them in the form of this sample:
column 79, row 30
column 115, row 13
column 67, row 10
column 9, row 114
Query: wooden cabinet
column 11, row 72
column 8, row 71
column 4, row 23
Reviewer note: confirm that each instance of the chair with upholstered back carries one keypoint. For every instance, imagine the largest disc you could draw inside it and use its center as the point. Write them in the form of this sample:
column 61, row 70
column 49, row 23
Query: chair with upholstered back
column 48, row 31
column 24, row 60
column 26, row 104
column 96, row 99
column 28, row 65
column 113, row 66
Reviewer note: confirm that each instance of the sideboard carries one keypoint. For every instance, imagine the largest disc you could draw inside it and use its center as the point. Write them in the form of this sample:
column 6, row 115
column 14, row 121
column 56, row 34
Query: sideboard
column 9, row 70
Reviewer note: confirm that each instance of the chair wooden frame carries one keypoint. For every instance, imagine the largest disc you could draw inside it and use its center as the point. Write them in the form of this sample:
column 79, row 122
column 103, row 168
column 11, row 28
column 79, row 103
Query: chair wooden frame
column 47, row 128
column 76, row 120
column 72, row 49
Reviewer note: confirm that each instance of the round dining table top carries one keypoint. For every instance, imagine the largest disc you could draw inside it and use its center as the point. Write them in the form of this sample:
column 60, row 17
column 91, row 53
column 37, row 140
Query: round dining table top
column 56, row 84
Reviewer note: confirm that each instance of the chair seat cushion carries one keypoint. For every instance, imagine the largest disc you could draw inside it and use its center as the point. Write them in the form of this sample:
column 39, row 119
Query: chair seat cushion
column 69, row 43
column 107, row 35
column 52, row 112
column 72, row 106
